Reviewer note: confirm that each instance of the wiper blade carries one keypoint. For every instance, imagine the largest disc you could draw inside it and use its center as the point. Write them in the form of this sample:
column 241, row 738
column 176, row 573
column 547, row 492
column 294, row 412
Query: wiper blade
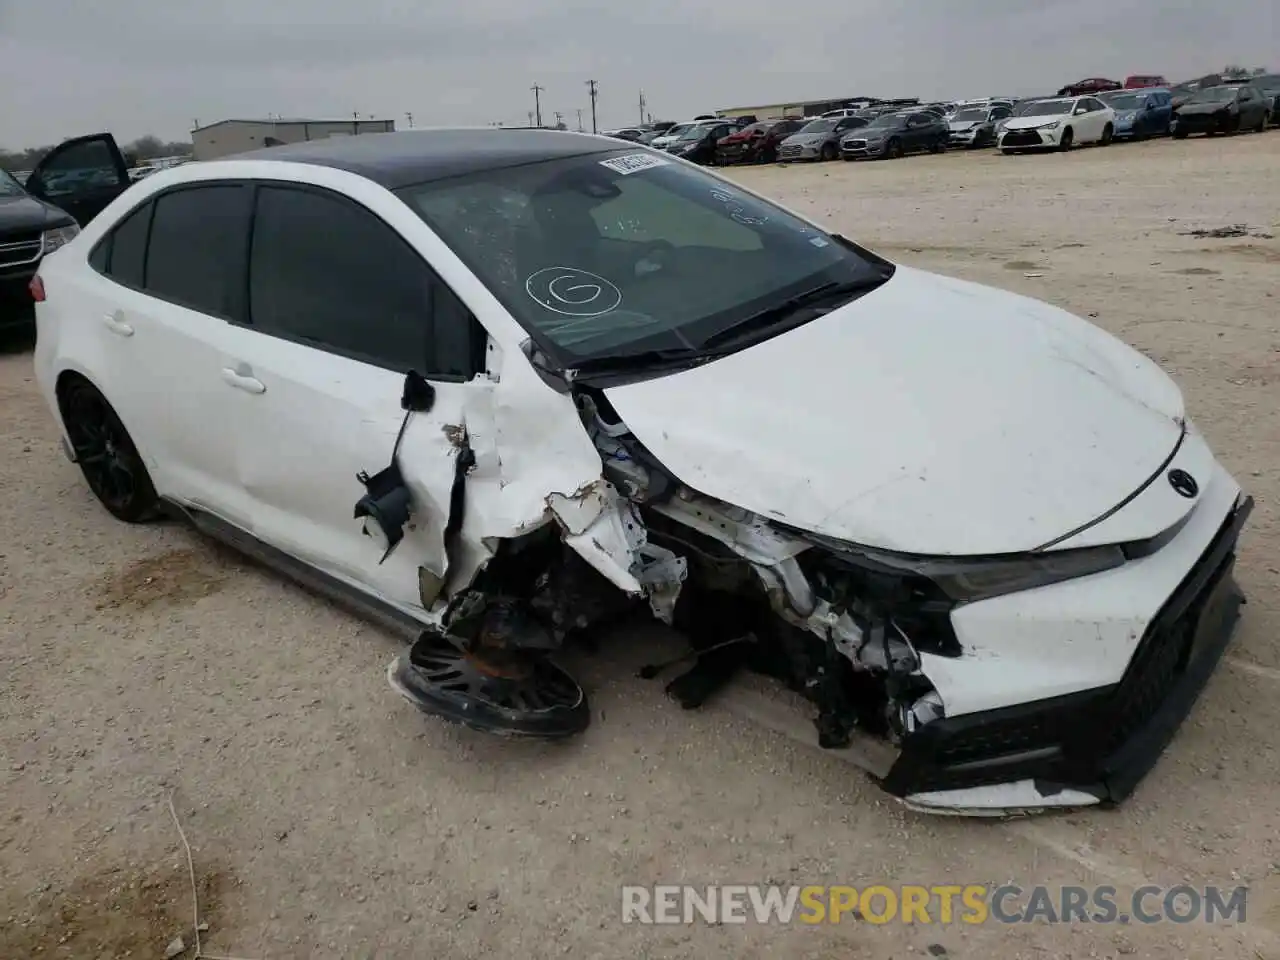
column 770, row 319
column 638, row 360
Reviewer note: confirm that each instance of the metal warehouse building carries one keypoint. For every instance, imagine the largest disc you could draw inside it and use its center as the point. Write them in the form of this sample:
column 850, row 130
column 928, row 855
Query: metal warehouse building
column 226, row 137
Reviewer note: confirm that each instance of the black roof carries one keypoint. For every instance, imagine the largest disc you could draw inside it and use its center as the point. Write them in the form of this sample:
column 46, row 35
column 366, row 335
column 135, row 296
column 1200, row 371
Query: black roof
column 419, row 156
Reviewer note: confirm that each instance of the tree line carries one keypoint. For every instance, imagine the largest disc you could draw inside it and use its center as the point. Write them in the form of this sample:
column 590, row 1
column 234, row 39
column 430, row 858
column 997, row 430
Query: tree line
column 140, row 150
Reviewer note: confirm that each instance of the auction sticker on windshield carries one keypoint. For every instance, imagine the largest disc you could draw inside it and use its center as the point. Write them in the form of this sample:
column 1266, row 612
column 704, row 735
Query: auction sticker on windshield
column 634, row 163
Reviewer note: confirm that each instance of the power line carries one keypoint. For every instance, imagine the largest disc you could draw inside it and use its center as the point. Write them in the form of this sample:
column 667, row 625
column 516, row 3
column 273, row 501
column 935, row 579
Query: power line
column 537, row 102
column 593, row 88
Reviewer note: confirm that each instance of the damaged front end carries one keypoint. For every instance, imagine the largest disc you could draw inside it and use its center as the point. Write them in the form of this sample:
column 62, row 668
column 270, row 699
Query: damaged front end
column 745, row 591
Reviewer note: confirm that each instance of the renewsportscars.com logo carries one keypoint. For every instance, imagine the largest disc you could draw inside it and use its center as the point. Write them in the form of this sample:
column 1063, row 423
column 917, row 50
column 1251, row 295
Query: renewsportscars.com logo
column 937, row 904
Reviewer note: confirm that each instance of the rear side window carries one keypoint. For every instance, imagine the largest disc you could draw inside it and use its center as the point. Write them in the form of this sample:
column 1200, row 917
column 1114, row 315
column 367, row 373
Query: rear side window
column 122, row 253
column 327, row 272
column 196, row 251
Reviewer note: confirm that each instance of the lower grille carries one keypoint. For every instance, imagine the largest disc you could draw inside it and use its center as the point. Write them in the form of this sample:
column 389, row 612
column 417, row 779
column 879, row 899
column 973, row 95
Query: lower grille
column 1021, row 138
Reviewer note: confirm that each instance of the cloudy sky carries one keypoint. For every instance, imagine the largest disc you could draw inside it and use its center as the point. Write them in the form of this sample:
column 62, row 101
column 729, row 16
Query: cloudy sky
column 155, row 66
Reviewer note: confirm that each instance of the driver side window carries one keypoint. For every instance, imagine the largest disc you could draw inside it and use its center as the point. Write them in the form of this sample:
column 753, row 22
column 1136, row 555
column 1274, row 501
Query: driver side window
column 645, row 213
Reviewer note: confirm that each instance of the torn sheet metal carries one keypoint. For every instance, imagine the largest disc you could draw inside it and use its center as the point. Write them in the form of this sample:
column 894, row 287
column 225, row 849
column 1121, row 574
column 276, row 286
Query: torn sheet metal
column 771, row 553
column 606, row 530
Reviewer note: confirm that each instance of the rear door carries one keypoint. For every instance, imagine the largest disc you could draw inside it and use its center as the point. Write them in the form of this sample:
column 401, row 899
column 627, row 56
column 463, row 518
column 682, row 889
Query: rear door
column 81, row 176
column 172, row 276
column 340, row 308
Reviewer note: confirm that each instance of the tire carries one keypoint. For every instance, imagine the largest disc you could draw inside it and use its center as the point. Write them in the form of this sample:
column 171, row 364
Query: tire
column 1179, row 134
column 828, row 152
column 1068, row 138
column 1108, row 134
column 894, row 150
column 1262, row 124
column 105, row 453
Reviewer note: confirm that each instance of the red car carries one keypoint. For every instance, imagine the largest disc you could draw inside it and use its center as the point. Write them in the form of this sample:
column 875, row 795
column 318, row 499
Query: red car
column 1140, row 80
column 756, row 143
column 1090, row 85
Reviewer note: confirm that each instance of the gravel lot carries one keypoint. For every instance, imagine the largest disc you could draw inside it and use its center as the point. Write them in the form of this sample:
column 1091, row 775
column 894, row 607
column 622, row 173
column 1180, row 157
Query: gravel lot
column 328, row 819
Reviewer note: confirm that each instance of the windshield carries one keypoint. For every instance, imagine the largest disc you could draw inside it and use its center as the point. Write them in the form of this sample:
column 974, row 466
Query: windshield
column 675, row 131
column 695, row 132
column 970, row 114
column 889, row 121
column 10, row 187
column 1127, row 101
column 1046, row 108
column 1270, row 82
column 1215, row 95
column 820, row 126
column 619, row 253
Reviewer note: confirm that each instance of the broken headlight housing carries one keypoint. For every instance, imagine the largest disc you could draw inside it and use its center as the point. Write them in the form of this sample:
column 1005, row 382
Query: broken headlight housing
column 966, row 579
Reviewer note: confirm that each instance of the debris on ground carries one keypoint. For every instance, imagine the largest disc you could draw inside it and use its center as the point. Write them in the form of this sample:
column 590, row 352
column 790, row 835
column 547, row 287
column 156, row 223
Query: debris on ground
column 1225, row 233
column 176, row 947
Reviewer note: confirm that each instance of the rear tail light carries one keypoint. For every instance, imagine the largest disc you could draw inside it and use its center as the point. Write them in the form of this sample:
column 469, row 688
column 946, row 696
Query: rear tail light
column 36, row 287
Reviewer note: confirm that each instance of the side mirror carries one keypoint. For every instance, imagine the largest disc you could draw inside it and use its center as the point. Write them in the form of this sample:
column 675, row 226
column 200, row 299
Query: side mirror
column 419, row 395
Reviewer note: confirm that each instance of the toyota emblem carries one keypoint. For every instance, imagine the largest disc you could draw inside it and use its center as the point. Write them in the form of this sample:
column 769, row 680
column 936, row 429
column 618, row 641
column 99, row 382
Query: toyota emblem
column 1184, row 483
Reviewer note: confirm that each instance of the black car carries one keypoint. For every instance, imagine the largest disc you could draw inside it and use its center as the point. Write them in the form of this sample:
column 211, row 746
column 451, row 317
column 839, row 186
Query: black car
column 1222, row 109
column 68, row 188
column 698, row 143
column 1269, row 86
column 897, row 134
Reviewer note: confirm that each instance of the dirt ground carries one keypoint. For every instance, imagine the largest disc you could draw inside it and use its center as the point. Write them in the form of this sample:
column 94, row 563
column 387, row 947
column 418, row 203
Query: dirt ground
column 328, row 819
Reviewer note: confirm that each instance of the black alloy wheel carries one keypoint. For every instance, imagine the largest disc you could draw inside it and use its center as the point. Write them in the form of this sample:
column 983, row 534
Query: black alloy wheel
column 106, row 453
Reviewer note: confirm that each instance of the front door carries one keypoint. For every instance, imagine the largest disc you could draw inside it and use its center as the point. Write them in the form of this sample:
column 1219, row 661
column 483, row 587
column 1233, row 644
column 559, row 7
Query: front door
column 340, row 308
column 81, row 176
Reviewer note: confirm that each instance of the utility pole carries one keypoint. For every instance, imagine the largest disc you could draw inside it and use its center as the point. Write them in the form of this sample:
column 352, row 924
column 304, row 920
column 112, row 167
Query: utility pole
column 195, row 122
column 409, row 116
column 580, row 120
column 593, row 88
column 537, row 102
column 642, row 105
column 531, row 118
column 559, row 119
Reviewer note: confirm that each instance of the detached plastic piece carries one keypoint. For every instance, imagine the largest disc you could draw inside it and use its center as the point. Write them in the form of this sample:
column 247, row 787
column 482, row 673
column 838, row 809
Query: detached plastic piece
column 386, row 503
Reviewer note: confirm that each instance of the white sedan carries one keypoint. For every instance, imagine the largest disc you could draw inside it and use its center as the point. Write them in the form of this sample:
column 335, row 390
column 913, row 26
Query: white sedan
column 503, row 386
column 1058, row 123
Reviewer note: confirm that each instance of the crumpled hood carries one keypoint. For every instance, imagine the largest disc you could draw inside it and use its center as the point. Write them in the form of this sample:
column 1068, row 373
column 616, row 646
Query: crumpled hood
column 960, row 126
column 930, row 416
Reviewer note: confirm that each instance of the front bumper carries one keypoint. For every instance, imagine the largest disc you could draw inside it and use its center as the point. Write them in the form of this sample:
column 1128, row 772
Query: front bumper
column 861, row 150
column 965, row 138
column 16, row 306
column 791, row 151
column 1201, row 123
column 1029, row 139
column 1089, row 746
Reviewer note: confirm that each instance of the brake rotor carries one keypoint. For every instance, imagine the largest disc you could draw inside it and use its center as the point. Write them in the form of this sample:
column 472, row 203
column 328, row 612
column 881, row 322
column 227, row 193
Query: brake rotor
column 509, row 693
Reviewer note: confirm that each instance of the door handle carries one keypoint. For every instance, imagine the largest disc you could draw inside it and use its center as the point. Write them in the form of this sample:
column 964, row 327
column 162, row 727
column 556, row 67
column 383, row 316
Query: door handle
column 243, row 381
column 115, row 323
